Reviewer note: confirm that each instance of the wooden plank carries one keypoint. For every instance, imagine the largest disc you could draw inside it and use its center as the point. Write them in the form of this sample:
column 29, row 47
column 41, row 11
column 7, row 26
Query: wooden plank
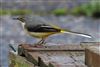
column 92, row 54
column 53, row 56
column 95, row 49
column 33, row 58
column 88, row 44
column 18, row 61
column 60, row 59
column 78, row 56
column 61, row 65
column 69, row 47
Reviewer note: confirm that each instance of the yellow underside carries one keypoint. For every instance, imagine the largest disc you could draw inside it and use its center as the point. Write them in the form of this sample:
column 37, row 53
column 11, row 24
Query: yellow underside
column 41, row 34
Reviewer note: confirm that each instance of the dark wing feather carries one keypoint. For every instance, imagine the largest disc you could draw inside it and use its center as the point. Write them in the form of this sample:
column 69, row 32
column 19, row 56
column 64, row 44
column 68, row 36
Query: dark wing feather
column 42, row 28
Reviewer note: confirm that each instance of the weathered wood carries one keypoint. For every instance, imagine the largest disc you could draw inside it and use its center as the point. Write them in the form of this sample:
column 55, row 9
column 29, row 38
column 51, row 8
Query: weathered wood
column 92, row 54
column 18, row 61
column 54, row 56
column 88, row 44
column 22, row 51
column 61, row 59
column 54, row 47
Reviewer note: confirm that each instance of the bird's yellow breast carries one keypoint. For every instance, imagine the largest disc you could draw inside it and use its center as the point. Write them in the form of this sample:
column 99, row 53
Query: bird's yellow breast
column 41, row 34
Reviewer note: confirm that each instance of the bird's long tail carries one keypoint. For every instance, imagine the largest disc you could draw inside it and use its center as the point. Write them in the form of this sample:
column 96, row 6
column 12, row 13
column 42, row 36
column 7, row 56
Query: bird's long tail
column 76, row 33
column 71, row 32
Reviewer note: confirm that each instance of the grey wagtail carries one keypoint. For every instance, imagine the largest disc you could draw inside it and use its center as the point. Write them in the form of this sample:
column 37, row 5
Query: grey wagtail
column 35, row 27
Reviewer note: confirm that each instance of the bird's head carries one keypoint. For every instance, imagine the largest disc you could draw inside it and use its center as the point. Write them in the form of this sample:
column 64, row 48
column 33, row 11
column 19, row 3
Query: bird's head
column 20, row 18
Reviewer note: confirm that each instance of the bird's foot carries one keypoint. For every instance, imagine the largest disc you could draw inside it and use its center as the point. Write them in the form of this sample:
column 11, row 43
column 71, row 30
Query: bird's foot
column 39, row 45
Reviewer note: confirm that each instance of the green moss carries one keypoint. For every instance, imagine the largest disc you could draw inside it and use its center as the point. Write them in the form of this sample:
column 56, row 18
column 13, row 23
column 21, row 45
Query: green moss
column 20, row 12
column 3, row 12
column 15, row 12
column 60, row 11
column 88, row 9
column 77, row 11
column 18, row 61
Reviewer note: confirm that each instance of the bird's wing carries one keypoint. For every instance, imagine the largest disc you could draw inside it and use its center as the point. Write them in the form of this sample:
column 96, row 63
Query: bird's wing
column 42, row 28
column 39, row 24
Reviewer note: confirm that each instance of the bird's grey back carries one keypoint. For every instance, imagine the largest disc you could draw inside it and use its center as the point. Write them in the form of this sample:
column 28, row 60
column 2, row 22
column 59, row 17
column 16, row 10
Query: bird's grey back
column 34, row 20
column 38, row 24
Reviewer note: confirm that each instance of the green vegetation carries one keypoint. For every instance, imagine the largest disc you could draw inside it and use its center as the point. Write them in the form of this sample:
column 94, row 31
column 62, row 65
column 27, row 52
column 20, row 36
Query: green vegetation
column 3, row 12
column 77, row 11
column 89, row 9
column 18, row 61
column 20, row 12
column 15, row 12
column 86, row 9
column 60, row 11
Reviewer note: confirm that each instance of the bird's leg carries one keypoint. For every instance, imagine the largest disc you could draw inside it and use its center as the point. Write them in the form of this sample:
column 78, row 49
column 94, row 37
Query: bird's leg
column 41, row 43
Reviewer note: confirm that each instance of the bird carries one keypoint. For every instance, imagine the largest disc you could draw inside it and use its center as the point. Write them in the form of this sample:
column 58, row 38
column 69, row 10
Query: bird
column 36, row 27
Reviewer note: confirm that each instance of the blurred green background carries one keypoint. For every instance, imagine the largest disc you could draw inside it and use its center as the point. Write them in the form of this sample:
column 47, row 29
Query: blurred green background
column 77, row 8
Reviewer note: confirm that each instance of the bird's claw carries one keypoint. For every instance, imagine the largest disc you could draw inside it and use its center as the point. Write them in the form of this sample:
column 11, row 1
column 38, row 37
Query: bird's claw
column 39, row 45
